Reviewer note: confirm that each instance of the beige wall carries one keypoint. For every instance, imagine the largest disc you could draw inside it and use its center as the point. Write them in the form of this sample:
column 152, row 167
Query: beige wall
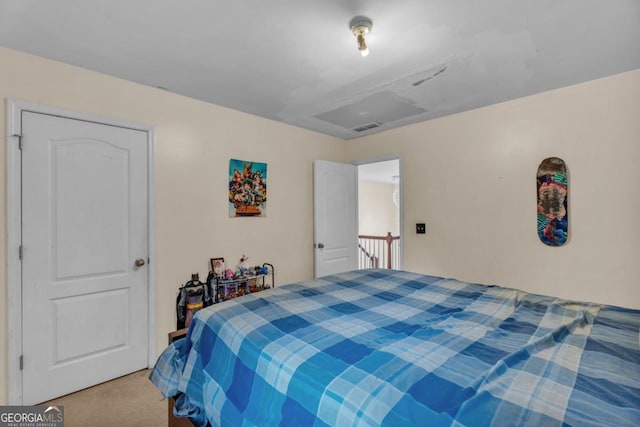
column 377, row 215
column 194, row 142
column 471, row 177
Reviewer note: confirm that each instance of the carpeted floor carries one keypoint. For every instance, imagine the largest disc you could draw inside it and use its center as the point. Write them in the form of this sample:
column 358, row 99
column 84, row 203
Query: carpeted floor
column 131, row 400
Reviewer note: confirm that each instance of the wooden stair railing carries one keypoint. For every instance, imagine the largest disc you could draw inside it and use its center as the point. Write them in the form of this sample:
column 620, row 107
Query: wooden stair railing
column 374, row 259
column 388, row 239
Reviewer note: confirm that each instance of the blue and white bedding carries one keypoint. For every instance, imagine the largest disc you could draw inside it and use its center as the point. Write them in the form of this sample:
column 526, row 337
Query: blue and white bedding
column 383, row 347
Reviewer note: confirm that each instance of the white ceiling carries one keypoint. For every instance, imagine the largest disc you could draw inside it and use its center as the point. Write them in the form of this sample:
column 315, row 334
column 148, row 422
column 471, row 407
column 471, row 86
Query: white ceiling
column 296, row 61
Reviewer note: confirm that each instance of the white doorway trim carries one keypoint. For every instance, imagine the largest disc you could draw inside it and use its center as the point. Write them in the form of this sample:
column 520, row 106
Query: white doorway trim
column 14, row 231
column 397, row 157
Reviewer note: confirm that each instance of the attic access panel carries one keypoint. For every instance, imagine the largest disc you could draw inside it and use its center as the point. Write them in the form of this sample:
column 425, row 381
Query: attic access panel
column 382, row 107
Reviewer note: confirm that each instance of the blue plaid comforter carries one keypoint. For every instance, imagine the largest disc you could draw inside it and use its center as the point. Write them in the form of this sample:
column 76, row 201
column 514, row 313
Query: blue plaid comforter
column 382, row 347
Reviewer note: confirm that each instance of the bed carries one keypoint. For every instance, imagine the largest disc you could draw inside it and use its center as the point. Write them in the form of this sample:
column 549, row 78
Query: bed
column 385, row 347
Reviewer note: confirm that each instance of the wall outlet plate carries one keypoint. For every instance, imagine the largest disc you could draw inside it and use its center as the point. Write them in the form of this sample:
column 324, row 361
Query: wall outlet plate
column 421, row 228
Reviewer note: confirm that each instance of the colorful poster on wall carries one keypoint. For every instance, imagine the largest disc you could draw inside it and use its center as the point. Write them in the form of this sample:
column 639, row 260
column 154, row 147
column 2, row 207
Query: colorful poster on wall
column 247, row 188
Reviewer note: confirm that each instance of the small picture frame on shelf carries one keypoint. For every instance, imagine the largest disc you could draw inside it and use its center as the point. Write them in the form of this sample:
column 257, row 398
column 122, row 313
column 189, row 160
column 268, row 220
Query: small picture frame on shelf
column 217, row 266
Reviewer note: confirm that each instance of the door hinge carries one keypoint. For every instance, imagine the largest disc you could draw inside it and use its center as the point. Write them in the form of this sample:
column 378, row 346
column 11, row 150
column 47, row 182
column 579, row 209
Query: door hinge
column 21, row 362
column 20, row 252
column 19, row 136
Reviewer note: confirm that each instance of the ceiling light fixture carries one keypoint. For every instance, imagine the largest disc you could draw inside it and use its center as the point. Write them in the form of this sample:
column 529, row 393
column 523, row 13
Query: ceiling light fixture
column 360, row 26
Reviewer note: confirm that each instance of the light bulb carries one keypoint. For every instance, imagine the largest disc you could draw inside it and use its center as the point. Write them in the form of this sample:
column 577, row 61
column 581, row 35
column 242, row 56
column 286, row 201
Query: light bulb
column 360, row 26
column 362, row 44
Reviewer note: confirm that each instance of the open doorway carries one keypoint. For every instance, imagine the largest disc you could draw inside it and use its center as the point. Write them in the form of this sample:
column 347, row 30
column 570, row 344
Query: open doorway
column 379, row 214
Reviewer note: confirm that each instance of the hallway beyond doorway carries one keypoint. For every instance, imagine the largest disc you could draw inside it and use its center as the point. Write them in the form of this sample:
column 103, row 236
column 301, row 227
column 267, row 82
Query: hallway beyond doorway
column 379, row 214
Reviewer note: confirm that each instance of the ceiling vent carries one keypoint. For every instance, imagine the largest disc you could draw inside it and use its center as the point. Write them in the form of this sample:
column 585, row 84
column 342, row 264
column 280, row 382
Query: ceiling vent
column 371, row 112
column 368, row 126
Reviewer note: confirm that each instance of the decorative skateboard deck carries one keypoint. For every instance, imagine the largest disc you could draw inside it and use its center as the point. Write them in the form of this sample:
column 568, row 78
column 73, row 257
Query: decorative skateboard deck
column 553, row 224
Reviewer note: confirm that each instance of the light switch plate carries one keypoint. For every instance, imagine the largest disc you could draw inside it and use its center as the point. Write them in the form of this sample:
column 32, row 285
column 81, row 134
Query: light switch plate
column 421, row 228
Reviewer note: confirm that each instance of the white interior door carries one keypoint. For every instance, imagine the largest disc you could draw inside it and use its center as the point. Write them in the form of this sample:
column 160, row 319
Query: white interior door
column 84, row 216
column 335, row 217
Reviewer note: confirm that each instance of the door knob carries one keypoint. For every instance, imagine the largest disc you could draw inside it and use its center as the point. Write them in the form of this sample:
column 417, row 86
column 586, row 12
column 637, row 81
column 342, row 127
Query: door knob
column 139, row 262
column 320, row 245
